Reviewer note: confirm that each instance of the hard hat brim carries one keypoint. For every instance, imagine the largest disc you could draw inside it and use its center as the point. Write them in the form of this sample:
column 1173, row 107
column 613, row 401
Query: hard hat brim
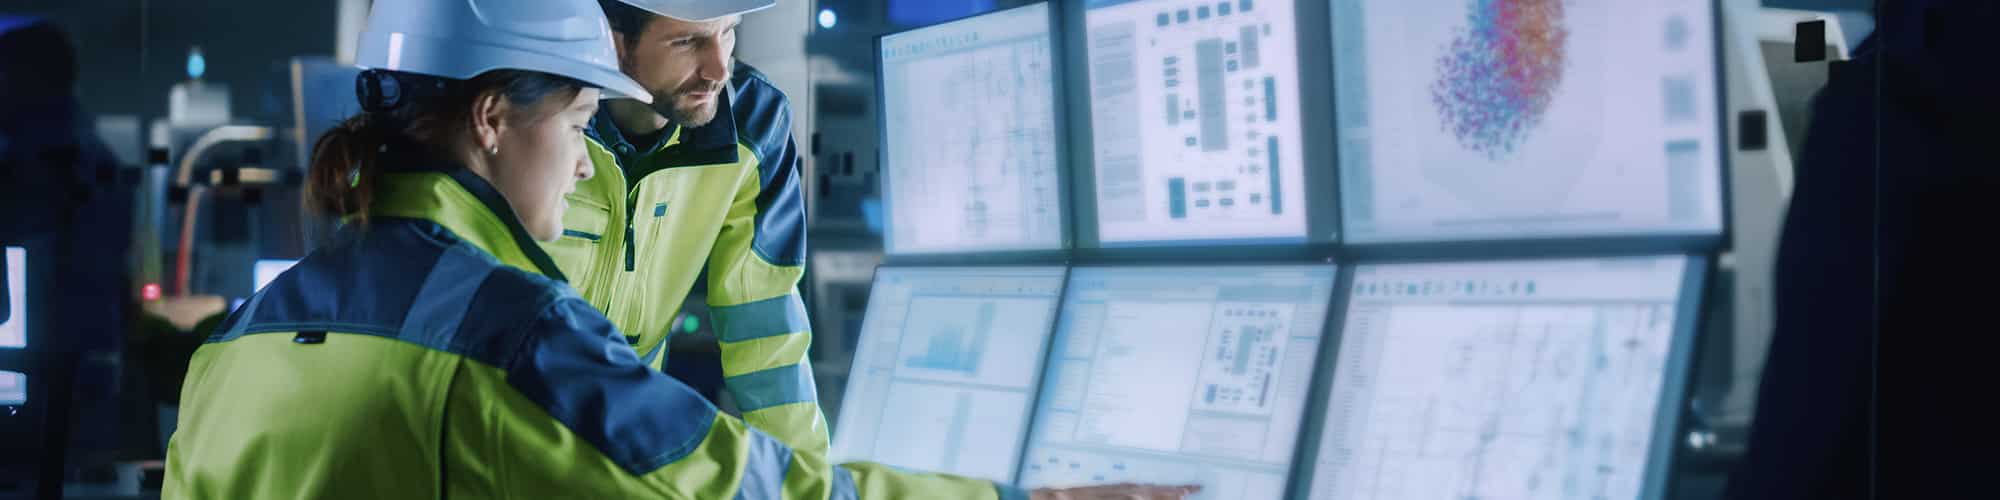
column 450, row 59
column 701, row 11
column 615, row 85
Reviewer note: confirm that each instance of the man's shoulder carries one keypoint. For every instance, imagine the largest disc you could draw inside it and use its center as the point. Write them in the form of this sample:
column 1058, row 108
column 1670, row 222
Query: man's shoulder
column 754, row 88
column 763, row 114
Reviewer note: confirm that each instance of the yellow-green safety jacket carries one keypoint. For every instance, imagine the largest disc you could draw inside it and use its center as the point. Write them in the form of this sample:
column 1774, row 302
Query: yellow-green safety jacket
column 438, row 353
column 715, row 206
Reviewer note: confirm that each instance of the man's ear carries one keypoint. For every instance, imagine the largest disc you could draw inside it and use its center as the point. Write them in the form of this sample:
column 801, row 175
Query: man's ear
column 618, row 42
column 489, row 120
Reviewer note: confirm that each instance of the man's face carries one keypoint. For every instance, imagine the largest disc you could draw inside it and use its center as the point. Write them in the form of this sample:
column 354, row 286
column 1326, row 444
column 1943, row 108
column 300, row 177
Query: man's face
column 684, row 64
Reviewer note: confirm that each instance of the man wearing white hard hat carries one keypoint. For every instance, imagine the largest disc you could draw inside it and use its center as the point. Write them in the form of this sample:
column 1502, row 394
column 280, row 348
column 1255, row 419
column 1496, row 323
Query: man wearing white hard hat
column 699, row 190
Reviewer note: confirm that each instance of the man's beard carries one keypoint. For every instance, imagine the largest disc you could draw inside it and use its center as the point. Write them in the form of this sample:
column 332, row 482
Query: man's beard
column 689, row 116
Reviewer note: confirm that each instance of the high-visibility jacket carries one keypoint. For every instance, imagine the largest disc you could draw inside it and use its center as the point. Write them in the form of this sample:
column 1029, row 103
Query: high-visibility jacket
column 438, row 353
column 715, row 206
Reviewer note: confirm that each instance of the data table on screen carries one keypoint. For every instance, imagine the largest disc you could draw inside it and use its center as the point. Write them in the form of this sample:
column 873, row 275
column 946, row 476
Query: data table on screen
column 1173, row 374
column 1502, row 380
column 945, row 374
column 1526, row 119
column 1194, row 117
column 972, row 157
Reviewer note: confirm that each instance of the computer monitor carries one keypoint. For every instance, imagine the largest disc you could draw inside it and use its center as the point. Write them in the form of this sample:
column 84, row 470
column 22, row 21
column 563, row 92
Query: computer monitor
column 973, row 148
column 947, row 368
column 13, row 388
column 1527, row 119
column 1195, row 124
column 1508, row 380
column 1171, row 375
column 267, row 270
column 14, row 330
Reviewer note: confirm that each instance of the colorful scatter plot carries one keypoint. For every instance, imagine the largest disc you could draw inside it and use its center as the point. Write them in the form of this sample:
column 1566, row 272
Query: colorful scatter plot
column 1497, row 77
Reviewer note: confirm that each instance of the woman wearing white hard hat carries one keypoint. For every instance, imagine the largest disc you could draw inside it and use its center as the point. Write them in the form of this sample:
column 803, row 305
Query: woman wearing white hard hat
column 431, row 349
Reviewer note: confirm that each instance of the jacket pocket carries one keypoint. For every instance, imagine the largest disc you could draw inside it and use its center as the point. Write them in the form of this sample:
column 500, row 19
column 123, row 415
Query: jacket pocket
column 579, row 249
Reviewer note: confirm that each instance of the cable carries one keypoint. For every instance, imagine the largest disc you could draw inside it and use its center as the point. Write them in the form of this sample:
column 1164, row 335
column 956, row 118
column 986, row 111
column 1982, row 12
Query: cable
column 186, row 254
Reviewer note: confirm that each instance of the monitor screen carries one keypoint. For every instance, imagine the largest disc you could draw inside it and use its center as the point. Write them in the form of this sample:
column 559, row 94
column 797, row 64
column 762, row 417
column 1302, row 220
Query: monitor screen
column 1506, row 380
column 14, row 331
column 947, row 367
column 1171, row 375
column 1526, row 119
column 969, row 111
column 267, row 270
column 13, row 388
column 1194, row 119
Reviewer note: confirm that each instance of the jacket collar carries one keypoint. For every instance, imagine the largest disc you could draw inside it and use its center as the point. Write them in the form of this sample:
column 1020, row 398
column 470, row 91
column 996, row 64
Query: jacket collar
column 705, row 145
column 464, row 203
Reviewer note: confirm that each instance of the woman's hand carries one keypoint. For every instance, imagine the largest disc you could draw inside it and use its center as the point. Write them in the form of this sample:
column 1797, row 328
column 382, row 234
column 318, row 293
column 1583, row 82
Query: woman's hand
column 1126, row 491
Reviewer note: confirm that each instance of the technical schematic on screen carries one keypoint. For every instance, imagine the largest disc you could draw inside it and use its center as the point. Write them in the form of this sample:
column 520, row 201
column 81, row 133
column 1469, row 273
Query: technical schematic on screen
column 1195, row 120
column 972, row 162
column 1504, row 381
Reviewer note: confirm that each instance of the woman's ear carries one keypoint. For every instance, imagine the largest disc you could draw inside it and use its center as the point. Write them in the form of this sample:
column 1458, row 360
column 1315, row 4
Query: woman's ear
column 489, row 121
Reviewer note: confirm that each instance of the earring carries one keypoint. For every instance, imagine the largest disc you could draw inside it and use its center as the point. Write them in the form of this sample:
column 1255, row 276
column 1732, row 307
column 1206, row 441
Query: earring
column 493, row 150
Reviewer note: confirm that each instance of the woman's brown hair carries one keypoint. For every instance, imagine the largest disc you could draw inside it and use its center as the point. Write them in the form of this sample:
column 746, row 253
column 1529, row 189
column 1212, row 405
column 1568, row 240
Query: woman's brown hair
column 406, row 108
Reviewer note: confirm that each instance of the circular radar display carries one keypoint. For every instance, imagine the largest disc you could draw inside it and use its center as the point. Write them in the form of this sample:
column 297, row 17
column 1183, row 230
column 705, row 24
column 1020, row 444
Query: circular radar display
column 1500, row 72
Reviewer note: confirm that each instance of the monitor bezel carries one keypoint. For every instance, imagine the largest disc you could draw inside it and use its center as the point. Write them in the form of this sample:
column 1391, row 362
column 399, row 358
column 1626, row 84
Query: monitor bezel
column 1531, row 248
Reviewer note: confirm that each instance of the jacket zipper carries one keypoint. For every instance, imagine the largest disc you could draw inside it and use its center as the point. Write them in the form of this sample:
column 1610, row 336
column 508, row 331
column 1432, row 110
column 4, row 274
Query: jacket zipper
column 631, row 251
column 631, row 218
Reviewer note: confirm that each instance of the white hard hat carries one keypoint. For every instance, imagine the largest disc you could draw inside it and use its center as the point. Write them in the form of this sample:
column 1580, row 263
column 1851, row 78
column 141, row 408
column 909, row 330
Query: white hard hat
column 700, row 10
column 461, row 39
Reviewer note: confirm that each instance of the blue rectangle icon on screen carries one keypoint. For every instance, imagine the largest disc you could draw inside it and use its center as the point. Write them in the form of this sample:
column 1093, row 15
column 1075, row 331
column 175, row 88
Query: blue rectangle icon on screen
column 1277, row 198
column 1177, row 198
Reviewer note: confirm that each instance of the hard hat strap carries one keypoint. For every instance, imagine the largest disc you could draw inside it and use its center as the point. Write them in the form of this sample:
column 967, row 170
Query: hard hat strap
column 382, row 90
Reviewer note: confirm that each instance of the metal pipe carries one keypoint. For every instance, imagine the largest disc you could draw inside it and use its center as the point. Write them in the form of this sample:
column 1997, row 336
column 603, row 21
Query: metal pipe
column 185, row 256
column 226, row 133
column 184, row 176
